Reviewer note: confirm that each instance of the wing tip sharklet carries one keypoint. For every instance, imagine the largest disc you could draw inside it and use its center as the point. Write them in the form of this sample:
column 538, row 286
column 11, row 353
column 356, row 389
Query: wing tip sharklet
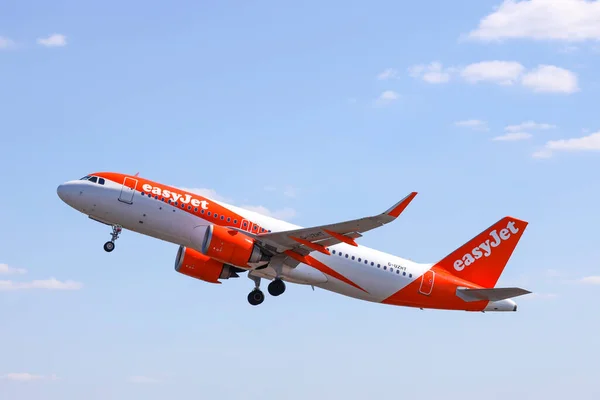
column 397, row 209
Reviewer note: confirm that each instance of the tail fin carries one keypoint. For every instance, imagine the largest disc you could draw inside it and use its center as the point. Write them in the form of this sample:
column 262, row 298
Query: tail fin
column 482, row 259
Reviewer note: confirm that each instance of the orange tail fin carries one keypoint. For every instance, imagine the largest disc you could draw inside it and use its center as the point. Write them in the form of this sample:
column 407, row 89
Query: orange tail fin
column 482, row 259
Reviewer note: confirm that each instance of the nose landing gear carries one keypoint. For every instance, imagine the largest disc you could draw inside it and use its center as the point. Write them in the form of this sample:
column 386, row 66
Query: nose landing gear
column 110, row 245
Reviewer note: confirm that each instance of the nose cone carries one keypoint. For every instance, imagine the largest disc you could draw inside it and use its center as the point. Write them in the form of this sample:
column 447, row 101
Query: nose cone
column 61, row 191
column 67, row 192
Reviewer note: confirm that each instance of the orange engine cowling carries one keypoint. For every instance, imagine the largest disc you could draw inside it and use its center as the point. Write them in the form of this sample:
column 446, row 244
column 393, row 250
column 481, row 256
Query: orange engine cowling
column 231, row 247
column 195, row 264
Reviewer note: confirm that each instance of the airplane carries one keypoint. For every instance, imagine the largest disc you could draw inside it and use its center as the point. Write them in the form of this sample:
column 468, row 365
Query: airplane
column 218, row 241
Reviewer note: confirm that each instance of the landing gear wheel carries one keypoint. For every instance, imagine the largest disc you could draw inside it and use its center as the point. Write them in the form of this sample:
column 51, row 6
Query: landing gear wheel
column 109, row 246
column 277, row 287
column 256, row 297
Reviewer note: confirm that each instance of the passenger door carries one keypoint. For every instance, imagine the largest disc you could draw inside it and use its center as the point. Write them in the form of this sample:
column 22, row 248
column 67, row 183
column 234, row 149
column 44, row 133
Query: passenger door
column 128, row 190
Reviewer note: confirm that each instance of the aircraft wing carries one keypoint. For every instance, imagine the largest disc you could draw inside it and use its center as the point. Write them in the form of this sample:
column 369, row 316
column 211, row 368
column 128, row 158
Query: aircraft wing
column 306, row 240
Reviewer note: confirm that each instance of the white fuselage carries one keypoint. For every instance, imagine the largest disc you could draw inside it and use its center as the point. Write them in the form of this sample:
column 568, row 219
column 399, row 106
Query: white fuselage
column 356, row 271
column 381, row 275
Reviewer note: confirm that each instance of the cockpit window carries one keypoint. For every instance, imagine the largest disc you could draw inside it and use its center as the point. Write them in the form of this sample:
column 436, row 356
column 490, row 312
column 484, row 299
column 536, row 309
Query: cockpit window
column 85, row 178
column 101, row 181
column 93, row 179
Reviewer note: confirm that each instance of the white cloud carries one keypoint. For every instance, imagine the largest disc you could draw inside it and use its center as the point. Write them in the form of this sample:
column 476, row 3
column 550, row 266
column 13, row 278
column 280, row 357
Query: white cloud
column 568, row 49
column 27, row 377
column 539, row 296
column 567, row 20
column 143, row 379
column 54, row 40
column 553, row 273
column 473, row 123
column 513, row 136
column 290, row 191
column 6, row 43
column 49, row 284
column 593, row 280
column 528, row 125
column 543, row 153
column 551, row 79
column 7, row 270
column 585, row 143
column 432, row 73
column 500, row 72
column 541, row 79
column 284, row 213
column 389, row 73
column 387, row 97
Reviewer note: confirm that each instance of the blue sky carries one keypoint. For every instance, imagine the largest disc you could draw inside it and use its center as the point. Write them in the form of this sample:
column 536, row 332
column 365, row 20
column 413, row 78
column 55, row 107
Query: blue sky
column 314, row 112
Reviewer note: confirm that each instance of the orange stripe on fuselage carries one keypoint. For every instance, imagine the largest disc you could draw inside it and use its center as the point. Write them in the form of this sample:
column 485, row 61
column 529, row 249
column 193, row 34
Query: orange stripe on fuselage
column 195, row 202
column 316, row 264
column 442, row 296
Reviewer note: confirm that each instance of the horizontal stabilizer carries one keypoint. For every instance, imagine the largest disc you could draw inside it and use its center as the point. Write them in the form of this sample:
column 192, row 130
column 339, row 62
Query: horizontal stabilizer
column 495, row 294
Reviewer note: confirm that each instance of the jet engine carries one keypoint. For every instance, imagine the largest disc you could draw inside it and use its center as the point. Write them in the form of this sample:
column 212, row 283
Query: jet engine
column 231, row 247
column 195, row 264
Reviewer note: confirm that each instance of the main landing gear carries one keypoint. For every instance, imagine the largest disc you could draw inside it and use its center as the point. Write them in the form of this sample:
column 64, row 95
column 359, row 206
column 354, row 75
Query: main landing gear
column 276, row 287
column 110, row 245
column 256, row 296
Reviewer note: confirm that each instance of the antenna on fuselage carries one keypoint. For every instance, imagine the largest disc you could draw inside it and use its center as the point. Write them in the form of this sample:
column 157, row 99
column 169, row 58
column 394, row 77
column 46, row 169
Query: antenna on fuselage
column 136, row 174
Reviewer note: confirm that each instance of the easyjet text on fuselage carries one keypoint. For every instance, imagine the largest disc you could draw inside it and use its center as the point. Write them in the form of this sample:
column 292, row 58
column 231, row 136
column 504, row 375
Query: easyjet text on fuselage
column 176, row 197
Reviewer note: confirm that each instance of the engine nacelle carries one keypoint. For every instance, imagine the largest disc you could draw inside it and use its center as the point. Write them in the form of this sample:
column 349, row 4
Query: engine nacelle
column 231, row 247
column 195, row 264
